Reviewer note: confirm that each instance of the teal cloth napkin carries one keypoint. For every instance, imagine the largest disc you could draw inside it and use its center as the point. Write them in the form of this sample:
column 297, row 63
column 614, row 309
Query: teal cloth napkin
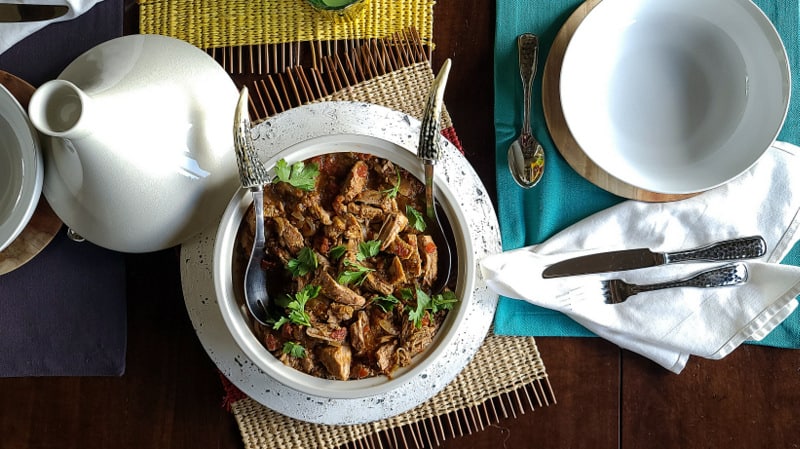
column 563, row 197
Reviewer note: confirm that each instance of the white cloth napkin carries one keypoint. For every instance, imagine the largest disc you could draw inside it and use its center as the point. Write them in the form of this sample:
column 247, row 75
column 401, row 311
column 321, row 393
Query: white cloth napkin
column 668, row 326
column 11, row 33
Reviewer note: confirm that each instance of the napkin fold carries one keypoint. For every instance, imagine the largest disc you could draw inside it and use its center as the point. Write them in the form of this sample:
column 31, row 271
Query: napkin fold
column 668, row 326
column 13, row 32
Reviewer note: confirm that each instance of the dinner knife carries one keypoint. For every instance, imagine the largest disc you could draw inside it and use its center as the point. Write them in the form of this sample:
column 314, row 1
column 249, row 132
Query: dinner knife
column 16, row 12
column 630, row 259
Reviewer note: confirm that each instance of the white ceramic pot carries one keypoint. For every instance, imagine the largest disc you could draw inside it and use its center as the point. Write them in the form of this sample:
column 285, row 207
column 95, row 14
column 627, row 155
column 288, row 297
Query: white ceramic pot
column 140, row 149
column 223, row 325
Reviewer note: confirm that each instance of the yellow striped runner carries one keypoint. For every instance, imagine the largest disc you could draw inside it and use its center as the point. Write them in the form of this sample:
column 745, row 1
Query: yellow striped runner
column 229, row 23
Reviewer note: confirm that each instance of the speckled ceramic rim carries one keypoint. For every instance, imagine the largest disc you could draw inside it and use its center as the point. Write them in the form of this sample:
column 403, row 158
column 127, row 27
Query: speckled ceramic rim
column 333, row 118
column 32, row 175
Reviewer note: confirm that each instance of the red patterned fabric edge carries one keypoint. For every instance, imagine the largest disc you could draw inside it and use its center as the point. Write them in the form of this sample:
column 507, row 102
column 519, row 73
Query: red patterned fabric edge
column 232, row 393
column 450, row 134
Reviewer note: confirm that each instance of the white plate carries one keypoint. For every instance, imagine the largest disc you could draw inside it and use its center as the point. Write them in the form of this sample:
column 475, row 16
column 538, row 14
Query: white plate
column 21, row 169
column 675, row 96
column 327, row 119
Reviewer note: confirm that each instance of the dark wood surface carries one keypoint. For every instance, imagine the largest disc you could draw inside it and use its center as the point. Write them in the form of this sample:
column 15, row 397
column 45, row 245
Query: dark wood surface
column 171, row 397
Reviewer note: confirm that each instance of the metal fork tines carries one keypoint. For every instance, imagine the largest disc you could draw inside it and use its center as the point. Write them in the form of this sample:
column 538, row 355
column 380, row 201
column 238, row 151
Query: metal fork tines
column 617, row 291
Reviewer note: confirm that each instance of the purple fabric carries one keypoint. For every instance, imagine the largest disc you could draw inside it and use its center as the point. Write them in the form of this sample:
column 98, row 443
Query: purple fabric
column 64, row 312
column 43, row 55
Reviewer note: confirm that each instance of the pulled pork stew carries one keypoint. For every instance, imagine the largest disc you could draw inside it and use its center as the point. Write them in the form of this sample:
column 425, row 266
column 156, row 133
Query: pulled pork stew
column 349, row 267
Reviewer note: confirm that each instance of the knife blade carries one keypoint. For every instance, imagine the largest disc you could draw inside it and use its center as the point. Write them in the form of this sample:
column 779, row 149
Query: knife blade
column 15, row 12
column 630, row 259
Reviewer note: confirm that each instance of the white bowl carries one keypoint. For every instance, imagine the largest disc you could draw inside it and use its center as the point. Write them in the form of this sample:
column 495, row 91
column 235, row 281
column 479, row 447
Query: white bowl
column 21, row 169
column 675, row 96
column 221, row 328
column 237, row 317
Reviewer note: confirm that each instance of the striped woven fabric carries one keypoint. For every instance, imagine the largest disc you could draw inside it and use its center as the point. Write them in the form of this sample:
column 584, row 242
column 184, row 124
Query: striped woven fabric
column 506, row 378
column 230, row 23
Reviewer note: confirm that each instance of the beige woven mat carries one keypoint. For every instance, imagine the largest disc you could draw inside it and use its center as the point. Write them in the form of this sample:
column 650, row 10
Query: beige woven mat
column 386, row 66
column 390, row 90
column 506, row 378
column 229, row 23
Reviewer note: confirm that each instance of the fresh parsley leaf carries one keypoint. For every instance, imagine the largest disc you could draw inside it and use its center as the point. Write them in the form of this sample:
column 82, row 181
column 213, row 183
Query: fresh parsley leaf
column 395, row 189
column 423, row 303
column 368, row 249
column 337, row 252
column 282, row 170
column 406, row 294
column 386, row 303
column 415, row 219
column 299, row 174
column 430, row 304
column 294, row 349
column 280, row 323
column 300, row 317
column 305, row 262
column 308, row 292
column 349, row 277
column 297, row 312
column 443, row 301
column 356, row 275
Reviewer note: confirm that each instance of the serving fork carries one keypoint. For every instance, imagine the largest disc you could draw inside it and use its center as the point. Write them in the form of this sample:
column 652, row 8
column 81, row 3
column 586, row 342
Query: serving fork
column 616, row 291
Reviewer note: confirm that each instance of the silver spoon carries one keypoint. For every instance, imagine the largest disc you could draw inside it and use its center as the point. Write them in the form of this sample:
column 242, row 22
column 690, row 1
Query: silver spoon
column 526, row 155
column 428, row 152
column 253, row 176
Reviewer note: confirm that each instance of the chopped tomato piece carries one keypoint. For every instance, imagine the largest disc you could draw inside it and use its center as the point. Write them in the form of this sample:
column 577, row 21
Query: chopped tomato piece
column 339, row 334
column 272, row 342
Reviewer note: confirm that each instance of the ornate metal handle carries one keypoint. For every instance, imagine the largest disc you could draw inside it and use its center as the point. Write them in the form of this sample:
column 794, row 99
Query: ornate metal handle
column 252, row 173
column 528, row 47
column 728, row 275
column 428, row 148
column 741, row 248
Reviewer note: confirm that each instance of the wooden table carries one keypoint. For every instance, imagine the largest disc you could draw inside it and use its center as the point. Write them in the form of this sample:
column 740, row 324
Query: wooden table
column 171, row 395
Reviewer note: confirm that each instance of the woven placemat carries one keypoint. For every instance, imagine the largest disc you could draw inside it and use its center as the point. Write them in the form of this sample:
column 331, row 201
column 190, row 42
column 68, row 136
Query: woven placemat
column 231, row 23
column 376, row 66
column 506, row 377
column 388, row 65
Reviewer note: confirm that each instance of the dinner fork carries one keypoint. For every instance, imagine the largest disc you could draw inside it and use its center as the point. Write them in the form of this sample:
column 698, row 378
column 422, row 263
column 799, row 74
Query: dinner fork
column 616, row 291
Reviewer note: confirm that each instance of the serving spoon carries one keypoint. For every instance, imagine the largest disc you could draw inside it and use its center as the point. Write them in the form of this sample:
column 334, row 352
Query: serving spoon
column 252, row 175
column 526, row 155
column 429, row 151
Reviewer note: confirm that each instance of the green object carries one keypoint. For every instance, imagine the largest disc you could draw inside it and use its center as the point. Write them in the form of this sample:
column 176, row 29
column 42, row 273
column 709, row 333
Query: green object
column 299, row 174
column 332, row 4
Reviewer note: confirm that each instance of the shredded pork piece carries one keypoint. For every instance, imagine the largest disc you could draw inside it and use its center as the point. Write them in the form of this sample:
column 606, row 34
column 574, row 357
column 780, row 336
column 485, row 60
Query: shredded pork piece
column 338, row 292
